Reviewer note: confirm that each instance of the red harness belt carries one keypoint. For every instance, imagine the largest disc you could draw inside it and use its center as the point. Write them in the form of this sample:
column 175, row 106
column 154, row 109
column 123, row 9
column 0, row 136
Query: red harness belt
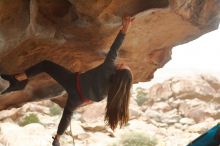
column 79, row 91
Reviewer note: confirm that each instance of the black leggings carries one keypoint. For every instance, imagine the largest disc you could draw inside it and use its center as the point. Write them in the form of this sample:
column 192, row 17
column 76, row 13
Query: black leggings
column 65, row 78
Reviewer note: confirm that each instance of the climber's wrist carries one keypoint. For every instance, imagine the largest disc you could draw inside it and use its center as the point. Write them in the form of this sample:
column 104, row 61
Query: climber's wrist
column 124, row 30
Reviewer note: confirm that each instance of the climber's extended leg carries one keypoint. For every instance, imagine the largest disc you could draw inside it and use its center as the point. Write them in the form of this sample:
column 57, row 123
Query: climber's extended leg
column 57, row 72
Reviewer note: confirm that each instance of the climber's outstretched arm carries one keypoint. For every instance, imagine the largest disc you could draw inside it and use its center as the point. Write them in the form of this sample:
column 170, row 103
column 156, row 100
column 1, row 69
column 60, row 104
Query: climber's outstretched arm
column 113, row 52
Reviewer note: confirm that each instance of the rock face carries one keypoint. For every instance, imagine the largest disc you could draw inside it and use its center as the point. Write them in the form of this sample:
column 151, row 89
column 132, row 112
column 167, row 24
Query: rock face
column 203, row 87
column 194, row 96
column 77, row 34
column 33, row 134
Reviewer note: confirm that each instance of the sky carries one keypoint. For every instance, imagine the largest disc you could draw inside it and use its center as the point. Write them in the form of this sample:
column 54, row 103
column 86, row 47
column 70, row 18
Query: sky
column 199, row 56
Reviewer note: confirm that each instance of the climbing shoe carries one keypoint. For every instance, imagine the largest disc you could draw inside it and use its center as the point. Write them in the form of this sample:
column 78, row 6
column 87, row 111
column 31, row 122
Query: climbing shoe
column 55, row 142
column 14, row 83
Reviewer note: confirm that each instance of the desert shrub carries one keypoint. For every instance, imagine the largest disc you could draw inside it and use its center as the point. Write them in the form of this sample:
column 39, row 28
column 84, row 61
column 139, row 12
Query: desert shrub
column 113, row 144
column 135, row 139
column 141, row 96
column 31, row 118
column 55, row 110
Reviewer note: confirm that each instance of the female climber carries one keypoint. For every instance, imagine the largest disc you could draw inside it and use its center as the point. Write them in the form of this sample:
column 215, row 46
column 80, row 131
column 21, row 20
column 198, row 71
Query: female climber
column 108, row 79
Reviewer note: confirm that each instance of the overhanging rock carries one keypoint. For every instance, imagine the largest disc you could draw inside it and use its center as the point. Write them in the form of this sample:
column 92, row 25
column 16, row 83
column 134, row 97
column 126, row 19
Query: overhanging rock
column 77, row 34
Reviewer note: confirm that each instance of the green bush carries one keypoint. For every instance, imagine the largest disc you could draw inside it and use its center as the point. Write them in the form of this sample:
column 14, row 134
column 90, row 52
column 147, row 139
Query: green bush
column 31, row 118
column 135, row 139
column 141, row 96
column 55, row 110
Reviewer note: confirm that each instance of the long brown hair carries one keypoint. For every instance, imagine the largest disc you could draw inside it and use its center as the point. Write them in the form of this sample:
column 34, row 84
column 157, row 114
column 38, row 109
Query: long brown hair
column 117, row 111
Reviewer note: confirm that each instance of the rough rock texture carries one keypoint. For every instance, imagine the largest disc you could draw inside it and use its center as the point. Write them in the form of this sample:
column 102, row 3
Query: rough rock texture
column 204, row 87
column 29, row 135
column 77, row 34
